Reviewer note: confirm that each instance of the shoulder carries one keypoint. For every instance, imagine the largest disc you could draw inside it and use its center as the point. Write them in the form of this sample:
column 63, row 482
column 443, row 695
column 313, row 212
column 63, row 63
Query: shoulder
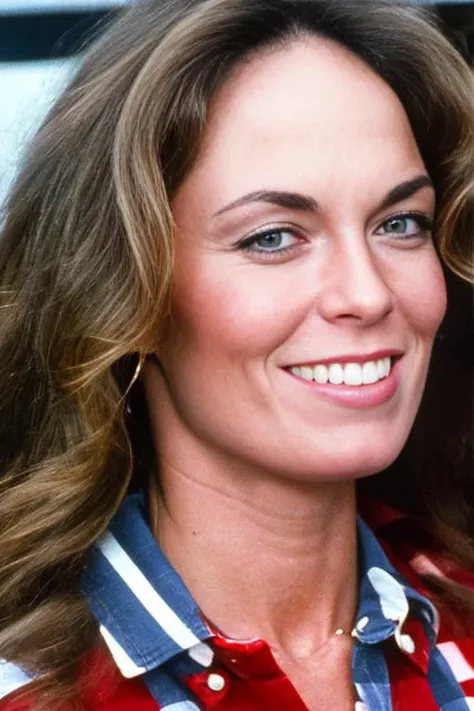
column 409, row 545
column 411, row 550
column 13, row 680
column 100, row 687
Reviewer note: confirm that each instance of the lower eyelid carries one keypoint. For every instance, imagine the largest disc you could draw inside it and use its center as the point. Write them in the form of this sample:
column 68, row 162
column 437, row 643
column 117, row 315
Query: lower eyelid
column 270, row 252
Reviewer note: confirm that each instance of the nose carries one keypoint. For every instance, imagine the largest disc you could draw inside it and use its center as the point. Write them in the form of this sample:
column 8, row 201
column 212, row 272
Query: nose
column 356, row 286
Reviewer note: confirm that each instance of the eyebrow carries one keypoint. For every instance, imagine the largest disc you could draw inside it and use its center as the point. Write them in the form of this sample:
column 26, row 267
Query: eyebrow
column 296, row 201
column 405, row 190
column 292, row 201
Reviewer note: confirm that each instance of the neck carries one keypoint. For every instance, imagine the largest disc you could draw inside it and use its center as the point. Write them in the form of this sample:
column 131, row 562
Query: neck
column 263, row 557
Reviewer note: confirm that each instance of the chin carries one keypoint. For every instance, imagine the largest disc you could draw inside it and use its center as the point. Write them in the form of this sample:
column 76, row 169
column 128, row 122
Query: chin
column 347, row 465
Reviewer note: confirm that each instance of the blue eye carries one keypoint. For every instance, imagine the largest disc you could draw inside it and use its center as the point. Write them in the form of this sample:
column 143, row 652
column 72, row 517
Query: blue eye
column 407, row 225
column 271, row 242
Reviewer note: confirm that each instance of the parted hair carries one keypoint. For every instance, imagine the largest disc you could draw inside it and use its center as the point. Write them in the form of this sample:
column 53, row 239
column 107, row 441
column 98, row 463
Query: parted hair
column 86, row 267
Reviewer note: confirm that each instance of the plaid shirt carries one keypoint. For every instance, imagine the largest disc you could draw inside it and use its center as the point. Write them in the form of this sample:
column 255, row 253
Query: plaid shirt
column 166, row 657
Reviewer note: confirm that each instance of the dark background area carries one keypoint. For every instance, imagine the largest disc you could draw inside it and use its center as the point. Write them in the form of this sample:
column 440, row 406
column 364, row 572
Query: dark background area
column 32, row 36
column 47, row 35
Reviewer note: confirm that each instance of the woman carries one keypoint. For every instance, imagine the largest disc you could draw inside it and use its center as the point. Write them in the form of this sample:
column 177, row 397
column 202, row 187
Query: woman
column 222, row 269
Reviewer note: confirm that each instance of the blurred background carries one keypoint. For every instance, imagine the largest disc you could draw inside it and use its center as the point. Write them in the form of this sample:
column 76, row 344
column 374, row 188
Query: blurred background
column 40, row 45
column 41, row 42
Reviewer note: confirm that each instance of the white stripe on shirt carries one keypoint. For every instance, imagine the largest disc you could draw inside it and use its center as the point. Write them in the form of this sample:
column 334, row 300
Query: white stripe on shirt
column 461, row 668
column 127, row 666
column 146, row 594
column 11, row 678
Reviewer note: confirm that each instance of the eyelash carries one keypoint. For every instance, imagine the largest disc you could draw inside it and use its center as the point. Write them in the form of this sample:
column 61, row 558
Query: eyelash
column 425, row 226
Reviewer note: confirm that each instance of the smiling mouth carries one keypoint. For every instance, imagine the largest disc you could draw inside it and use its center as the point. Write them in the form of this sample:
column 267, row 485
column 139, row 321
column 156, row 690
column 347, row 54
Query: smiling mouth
column 355, row 374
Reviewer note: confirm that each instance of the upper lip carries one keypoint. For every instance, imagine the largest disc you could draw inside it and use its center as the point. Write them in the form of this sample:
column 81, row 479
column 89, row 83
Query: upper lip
column 355, row 357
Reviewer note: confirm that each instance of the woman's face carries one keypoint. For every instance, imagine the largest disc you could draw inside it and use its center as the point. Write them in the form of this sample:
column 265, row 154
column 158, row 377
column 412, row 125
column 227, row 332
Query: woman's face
column 303, row 253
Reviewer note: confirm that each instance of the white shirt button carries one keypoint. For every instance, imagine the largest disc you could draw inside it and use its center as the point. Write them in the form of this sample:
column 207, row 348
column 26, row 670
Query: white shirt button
column 216, row 682
column 406, row 643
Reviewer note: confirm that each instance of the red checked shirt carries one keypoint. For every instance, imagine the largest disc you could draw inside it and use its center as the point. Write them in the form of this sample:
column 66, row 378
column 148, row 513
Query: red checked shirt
column 159, row 654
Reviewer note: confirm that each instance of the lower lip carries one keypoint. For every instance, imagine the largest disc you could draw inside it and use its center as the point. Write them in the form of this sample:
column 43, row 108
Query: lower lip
column 357, row 396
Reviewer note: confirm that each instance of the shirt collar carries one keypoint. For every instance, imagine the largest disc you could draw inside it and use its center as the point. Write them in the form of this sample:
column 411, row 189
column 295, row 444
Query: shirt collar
column 387, row 601
column 147, row 616
column 145, row 612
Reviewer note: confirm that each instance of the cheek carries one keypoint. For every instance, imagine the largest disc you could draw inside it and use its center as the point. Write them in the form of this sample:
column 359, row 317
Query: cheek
column 233, row 312
column 421, row 293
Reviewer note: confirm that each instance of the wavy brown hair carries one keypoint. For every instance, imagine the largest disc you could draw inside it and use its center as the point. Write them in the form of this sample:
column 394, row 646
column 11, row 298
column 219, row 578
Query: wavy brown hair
column 86, row 260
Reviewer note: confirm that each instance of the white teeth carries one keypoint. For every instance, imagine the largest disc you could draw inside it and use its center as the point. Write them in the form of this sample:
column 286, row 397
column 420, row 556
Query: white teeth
column 336, row 374
column 306, row 373
column 353, row 374
column 369, row 373
column 349, row 374
column 380, row 368
column 320, row 373
column 383, row 367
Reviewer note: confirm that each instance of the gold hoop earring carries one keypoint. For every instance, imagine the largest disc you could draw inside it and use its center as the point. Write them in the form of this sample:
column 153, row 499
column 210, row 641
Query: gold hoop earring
column 136, row 374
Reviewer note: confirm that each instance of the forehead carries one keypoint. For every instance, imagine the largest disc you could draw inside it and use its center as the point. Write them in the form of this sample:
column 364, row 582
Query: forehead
column 308, row 113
